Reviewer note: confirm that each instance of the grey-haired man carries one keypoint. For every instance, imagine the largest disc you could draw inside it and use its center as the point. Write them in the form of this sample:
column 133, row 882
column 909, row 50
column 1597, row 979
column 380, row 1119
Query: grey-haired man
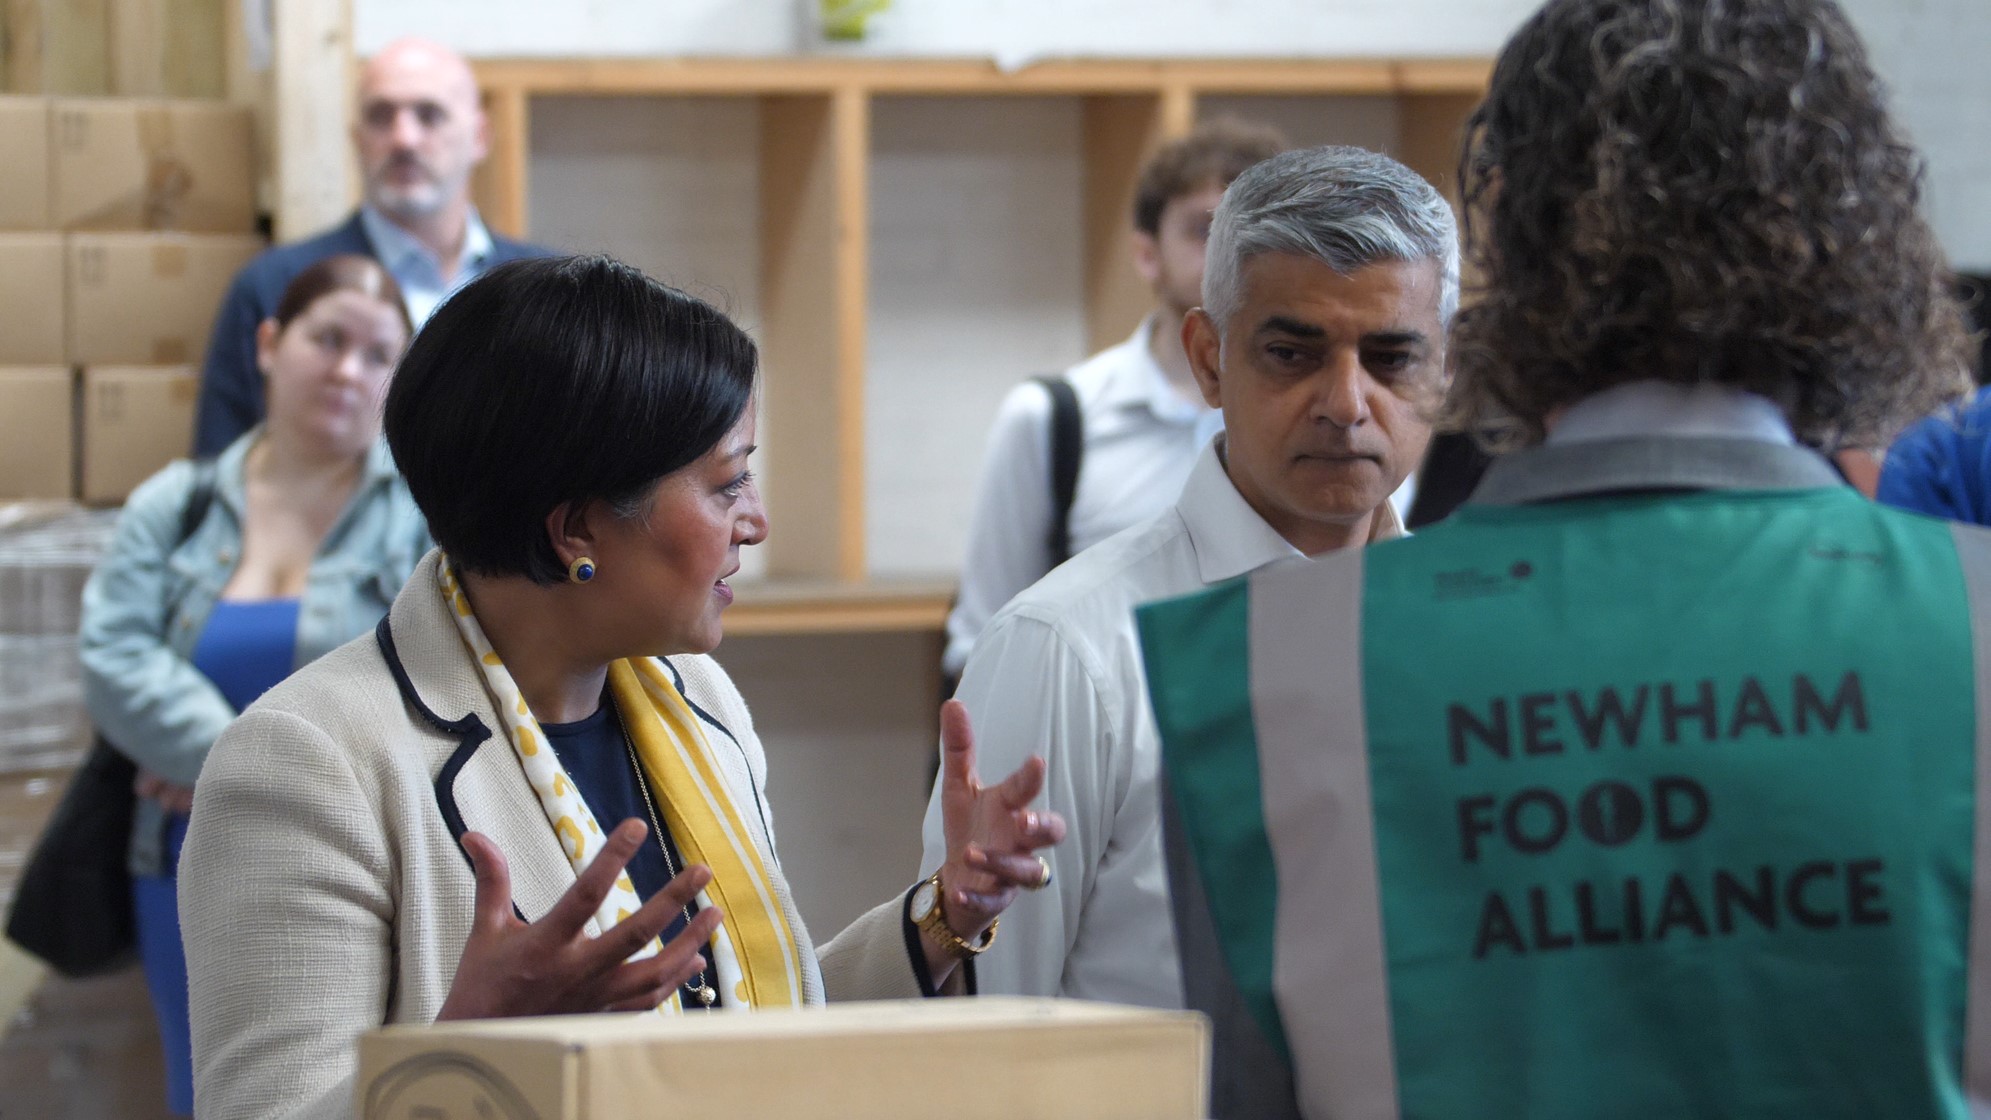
column 1331, row 274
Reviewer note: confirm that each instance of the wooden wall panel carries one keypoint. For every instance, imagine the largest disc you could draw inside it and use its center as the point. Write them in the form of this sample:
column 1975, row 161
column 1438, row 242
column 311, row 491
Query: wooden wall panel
column 501, row 181
column 1120, row 132
column 169, row 48
column 1433, row 127
column 57, row 46
column 814, row 169
column 315, row 175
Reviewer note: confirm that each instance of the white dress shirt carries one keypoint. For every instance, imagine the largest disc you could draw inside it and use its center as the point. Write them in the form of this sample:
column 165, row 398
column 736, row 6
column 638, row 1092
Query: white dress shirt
column 1058, row 672
column 415, row 268
column 1141, row 436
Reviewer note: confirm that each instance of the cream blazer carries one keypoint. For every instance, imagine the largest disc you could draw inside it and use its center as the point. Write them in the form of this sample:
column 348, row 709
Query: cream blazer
column 322, row 888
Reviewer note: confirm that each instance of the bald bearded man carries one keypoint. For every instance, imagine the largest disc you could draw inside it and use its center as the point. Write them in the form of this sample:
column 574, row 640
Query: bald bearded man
column 420, row 133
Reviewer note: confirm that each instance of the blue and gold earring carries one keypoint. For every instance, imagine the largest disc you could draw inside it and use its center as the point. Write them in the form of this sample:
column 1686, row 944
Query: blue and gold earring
column 581, row 570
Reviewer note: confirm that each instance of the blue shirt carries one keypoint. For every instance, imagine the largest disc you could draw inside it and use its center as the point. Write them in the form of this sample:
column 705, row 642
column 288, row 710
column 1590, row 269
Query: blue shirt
column 1942, row 466
column 246, row 647
column 415, row 267
column 596, row 758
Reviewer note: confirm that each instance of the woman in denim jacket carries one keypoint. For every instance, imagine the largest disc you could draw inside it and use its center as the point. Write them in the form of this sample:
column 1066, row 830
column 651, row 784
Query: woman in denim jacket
column 304, row 533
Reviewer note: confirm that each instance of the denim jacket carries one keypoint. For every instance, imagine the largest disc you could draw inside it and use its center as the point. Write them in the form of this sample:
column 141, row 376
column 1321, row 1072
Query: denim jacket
column 148, row 601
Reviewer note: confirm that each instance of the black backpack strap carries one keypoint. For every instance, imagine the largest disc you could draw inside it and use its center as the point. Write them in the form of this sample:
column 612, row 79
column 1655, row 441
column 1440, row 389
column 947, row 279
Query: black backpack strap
column 1067, row 453
column 198, row 499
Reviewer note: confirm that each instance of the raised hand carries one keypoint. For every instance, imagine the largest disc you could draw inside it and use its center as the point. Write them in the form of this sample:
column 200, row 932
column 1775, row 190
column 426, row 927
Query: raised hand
column 991, row 831
column 551, row 966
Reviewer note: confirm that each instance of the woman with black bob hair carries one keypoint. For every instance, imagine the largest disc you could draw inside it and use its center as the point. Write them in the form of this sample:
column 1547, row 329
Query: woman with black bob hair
column 422, row 825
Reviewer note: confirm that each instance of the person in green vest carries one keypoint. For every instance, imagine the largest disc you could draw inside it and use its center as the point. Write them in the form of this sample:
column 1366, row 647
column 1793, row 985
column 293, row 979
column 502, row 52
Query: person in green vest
column 1652, row 783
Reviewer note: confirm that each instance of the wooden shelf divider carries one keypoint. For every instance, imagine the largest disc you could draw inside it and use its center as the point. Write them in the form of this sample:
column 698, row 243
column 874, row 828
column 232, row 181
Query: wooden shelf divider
column 1119, row 130
column 814, row 258
column 838, row 607
column 500, row 185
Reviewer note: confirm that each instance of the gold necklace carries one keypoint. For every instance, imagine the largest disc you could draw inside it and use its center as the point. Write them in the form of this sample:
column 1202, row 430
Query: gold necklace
column 696, row 985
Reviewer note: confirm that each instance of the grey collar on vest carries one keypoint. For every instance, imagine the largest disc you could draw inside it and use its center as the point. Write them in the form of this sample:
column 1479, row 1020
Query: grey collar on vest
column 1605, row 466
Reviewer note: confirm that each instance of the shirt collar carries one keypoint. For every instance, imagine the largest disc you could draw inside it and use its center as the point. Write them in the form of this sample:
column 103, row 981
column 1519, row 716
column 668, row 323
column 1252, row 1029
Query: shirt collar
column 1662, row 408
column 1228, row 536
column 395, row 245
column 1141, row 382
column 1650, row 464
column 1649, row 436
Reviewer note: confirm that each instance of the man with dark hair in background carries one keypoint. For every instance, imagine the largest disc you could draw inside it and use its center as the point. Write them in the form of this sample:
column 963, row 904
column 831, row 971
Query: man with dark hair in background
column 1654, row 781
column 1140, row 417
column 420, row 135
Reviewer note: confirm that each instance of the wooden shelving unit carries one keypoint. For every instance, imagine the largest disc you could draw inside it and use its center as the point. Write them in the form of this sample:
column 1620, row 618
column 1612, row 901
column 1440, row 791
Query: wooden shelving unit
column 815, row 156
column 838, row 607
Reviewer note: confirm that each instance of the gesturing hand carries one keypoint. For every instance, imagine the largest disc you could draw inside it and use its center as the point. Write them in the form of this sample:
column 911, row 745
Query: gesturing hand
column 551, row 966
column 990, row 830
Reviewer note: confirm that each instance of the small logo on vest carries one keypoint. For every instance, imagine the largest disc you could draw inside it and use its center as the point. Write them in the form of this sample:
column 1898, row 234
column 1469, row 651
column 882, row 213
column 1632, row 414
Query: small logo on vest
column 1479, row 583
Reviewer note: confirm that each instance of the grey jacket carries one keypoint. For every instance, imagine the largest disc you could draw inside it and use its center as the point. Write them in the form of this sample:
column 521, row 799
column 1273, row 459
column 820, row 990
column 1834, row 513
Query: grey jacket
column 146, row 604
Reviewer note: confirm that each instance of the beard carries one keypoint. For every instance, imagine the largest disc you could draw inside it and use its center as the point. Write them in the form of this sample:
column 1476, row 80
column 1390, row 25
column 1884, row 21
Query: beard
column 410, row 198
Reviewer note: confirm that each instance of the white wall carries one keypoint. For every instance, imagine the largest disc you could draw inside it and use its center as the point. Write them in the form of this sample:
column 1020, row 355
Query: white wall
column 1932, row 54
column 975, row 285
column 1930, row 50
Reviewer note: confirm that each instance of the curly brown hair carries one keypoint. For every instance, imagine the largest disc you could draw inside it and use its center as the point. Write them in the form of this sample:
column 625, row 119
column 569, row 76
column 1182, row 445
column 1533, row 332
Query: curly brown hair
column 1699, row 191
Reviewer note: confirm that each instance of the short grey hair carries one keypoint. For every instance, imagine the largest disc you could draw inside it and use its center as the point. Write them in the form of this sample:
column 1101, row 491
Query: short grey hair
column 1345, row 207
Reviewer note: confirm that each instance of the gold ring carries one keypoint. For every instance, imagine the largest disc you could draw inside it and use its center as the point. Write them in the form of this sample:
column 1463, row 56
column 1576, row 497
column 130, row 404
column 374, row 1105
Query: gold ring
column 1044, row 878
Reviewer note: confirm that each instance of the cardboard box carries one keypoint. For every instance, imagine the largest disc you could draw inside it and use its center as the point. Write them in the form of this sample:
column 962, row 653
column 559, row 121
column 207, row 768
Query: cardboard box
column 24, row 154
column 153, row 165
column 136, row 419
column 169, row 48
column 997, row 1057
column 57, row 46
column 31, row 309
column 37, row 432
column 148, row 298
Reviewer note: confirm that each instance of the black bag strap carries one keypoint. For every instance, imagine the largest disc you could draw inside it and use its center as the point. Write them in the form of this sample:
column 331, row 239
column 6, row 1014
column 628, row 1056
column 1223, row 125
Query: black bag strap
column 1067, row 454
column 198, row 499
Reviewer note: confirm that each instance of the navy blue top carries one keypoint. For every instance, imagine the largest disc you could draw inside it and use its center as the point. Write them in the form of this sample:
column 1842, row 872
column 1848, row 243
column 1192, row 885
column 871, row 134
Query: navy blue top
column 1942, row 466
column 596, row 758
column 247, row 647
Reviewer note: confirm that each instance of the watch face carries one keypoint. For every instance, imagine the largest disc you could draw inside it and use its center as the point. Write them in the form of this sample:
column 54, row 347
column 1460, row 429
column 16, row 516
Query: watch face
column 923, row 901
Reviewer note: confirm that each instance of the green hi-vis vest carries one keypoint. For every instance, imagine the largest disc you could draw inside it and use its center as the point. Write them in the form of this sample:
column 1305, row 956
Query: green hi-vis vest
column 1657, row 806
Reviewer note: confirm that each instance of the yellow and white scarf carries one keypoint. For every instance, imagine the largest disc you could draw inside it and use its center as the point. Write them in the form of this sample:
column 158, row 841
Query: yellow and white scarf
column 754, row 951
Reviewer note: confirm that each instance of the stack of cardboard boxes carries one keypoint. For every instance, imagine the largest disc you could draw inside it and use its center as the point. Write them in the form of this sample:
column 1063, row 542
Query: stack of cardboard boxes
column 122, row 219
column 123, row 222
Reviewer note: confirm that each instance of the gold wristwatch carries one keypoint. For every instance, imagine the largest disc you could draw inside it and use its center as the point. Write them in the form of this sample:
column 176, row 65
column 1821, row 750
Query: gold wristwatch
column 931, row 917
